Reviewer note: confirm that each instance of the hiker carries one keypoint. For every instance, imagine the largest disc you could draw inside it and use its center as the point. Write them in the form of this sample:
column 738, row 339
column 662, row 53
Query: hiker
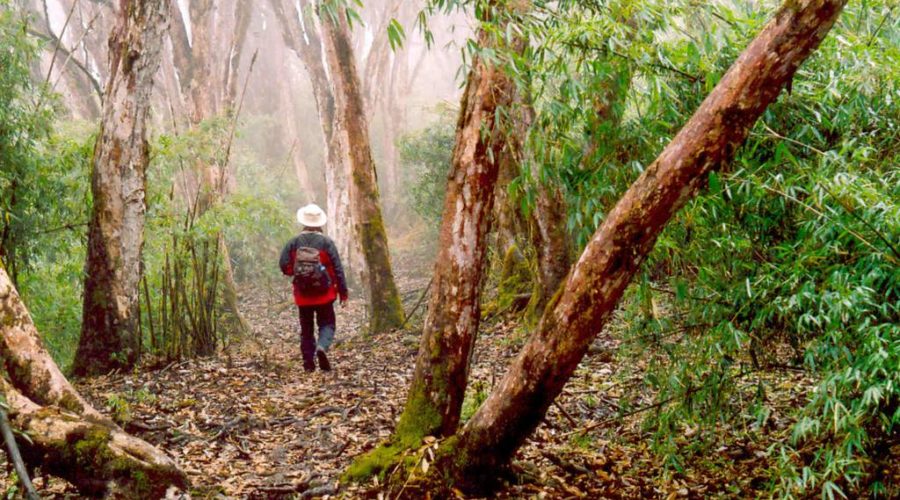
column 313, row 261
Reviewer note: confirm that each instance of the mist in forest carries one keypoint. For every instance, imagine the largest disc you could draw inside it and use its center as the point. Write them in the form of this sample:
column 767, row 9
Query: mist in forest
column 250, row 64
column 393, row 249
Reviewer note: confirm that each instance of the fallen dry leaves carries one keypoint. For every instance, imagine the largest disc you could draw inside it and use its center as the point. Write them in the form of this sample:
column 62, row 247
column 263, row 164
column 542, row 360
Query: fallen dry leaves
column 251, row 423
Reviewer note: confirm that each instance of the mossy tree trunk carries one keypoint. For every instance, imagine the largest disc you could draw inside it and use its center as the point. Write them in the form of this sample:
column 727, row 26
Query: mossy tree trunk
column 549, row 218
column 351, row 124
column 708, row 141
column 435, row 397
column 110, row 335
column 67, row 437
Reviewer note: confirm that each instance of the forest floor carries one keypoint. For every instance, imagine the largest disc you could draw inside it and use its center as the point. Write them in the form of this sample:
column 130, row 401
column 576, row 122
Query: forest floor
column 251, row 423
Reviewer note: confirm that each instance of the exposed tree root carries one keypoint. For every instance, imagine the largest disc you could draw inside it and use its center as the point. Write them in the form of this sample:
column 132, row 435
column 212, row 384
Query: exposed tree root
column 67, row 437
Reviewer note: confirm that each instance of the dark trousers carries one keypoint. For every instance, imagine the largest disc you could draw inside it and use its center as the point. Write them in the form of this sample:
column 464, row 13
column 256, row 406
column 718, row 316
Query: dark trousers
column 310, row 317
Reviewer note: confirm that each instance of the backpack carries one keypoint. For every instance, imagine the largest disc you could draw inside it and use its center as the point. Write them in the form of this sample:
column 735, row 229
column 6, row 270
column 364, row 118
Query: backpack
column 310, row 275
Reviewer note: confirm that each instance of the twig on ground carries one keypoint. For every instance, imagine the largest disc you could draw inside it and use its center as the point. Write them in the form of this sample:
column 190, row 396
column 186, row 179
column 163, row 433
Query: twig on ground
column 565, row 413
column 418, row 303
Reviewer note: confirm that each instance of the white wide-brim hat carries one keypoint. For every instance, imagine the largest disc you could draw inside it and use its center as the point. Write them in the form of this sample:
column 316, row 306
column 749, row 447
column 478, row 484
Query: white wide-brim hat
column 311, row 216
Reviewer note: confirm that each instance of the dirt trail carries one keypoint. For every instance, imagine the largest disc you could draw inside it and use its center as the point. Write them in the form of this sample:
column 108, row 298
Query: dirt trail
column 251, row 423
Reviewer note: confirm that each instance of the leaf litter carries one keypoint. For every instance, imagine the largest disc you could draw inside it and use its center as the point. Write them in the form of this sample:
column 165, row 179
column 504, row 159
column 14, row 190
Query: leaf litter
column 250, row 423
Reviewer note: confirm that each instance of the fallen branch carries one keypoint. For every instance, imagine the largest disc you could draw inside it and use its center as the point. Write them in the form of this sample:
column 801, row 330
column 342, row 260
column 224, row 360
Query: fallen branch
column 418, row 303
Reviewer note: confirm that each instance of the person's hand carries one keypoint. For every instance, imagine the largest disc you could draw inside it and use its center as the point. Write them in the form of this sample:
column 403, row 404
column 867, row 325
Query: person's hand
column 344, row 299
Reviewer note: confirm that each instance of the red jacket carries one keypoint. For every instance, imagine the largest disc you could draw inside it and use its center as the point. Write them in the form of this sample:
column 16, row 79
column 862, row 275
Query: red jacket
column 329, row 257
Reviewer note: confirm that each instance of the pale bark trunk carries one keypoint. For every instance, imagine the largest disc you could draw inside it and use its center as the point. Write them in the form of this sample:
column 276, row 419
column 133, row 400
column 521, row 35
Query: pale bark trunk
column 110, row 336
column 291, row 141
column 442, row 367
column 242, row 17
column 308, row 46
column 61, row 425
column 519, row 403
column 385, row 308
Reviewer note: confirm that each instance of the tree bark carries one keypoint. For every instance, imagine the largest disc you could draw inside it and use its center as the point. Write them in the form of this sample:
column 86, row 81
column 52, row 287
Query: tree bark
column 307, row 44
column 520, row 402
column 442, row 367
column 110, row 335
column 68, row 437
column 385, row 308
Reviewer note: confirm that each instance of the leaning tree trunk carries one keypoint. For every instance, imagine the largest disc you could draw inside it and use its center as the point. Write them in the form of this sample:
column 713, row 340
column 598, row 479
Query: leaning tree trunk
column 110, row 335
column 386, row 311
column 66, row 436
column 520, row 402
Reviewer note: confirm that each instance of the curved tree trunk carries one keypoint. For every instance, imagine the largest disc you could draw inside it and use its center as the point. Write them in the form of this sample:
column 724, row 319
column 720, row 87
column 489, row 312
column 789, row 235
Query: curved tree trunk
column 519, row 403
column 386, row 311
column 68, row 437
column 110, row 335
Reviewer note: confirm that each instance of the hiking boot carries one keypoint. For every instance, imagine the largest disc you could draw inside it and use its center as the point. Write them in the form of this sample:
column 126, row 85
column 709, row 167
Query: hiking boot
column 309, row 367
column 324, row 365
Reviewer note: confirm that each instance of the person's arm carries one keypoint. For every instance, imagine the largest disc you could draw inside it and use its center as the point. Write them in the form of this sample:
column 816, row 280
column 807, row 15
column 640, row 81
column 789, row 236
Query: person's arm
column 285, row 260
column 338, row 269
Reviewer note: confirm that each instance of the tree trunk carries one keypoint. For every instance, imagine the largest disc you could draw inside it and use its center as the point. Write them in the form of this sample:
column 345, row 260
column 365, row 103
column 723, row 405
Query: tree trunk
column 291, row 139
column 548, row 230
column 67, row 437
column 386, row 311
column 451, row 324
column 519, row 403
column 305, row 41
column 549, row 233
column 211, row 83
column 110, row 335
column 242, row 18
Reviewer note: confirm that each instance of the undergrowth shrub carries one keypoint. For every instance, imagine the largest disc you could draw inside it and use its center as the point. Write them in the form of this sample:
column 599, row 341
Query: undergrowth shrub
column 425, row 158
column 788, row 262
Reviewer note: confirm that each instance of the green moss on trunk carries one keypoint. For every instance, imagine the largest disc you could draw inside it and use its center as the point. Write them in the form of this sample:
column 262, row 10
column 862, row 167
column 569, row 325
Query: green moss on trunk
column 418, row 417
column 86, row 459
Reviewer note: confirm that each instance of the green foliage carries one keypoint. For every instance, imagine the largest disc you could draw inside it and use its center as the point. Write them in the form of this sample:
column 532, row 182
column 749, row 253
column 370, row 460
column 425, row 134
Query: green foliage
column 795, row 243
column 51, row 285
column 24, row 125
column 44, row 193
column 184, row 309
column 425, row 159
column 475, row 396
column 120, row 408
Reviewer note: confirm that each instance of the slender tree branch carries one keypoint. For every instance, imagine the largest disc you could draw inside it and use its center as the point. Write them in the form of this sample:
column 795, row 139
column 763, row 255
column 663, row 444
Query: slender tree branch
column 14, row 455
column 234, row 121
column 59, row 38
column 877, row 31
column 52, row 38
